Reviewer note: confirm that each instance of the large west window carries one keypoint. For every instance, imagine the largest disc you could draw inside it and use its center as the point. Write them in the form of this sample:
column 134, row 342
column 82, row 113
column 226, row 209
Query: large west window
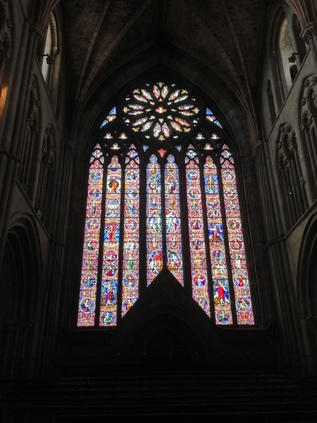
column 162, row 194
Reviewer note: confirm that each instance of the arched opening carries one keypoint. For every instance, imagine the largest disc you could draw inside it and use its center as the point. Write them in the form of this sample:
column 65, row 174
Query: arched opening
column 286, row 50
column 162, row 192
column 50, row 50
column 19, row 277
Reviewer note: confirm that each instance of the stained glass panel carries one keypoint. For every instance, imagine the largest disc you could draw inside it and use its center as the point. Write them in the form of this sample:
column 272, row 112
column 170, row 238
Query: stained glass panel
column 89, row 267
column 112, row 115
column 243, row 303
column 154, row 243
column 220, row 282
column 110, row 262
column 130, row 264
column 197, row 243
column 173, row 220
column 211, row 117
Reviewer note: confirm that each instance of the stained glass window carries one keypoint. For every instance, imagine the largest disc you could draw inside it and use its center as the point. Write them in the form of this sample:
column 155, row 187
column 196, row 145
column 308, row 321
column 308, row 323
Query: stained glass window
column 130, row 263
column 162, row 155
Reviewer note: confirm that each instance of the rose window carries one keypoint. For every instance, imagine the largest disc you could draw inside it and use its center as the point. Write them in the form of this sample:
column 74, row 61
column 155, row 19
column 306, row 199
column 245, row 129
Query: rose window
column 161, row 111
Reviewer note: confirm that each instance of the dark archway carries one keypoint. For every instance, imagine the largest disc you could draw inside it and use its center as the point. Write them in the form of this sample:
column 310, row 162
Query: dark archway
column 20, row 287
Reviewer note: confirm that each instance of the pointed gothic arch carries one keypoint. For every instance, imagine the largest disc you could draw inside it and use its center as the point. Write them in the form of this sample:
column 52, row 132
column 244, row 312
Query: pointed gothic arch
column 163, row 194
column 20, row 295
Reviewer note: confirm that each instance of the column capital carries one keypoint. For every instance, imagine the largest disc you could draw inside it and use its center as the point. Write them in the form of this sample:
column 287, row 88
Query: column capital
column 36, row 29
column 309, row 32
column 258, row 147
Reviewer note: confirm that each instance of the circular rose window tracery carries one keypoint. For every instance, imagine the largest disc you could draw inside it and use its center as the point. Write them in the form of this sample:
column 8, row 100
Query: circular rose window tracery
column 161, row 111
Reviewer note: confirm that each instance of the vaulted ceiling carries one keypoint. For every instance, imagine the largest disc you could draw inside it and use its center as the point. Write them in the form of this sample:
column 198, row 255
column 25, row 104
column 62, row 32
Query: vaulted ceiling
column 113, row 40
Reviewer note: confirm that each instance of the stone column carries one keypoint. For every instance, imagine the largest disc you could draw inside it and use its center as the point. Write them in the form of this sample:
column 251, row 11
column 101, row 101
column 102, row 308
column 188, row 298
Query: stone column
column 13, row 132
column 280, row 307
column 56, row 289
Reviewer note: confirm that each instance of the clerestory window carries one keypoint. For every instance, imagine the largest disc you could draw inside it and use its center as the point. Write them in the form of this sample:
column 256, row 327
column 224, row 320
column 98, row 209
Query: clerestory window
column 162, row 194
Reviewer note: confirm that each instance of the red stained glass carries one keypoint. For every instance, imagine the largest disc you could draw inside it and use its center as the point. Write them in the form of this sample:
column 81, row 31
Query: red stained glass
column 173, row 220
column 89, row 267
column 154, row 219
column 219, row 272
column 109, row 282
column 130, row 263
column 198, row 258
column 242, row 294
